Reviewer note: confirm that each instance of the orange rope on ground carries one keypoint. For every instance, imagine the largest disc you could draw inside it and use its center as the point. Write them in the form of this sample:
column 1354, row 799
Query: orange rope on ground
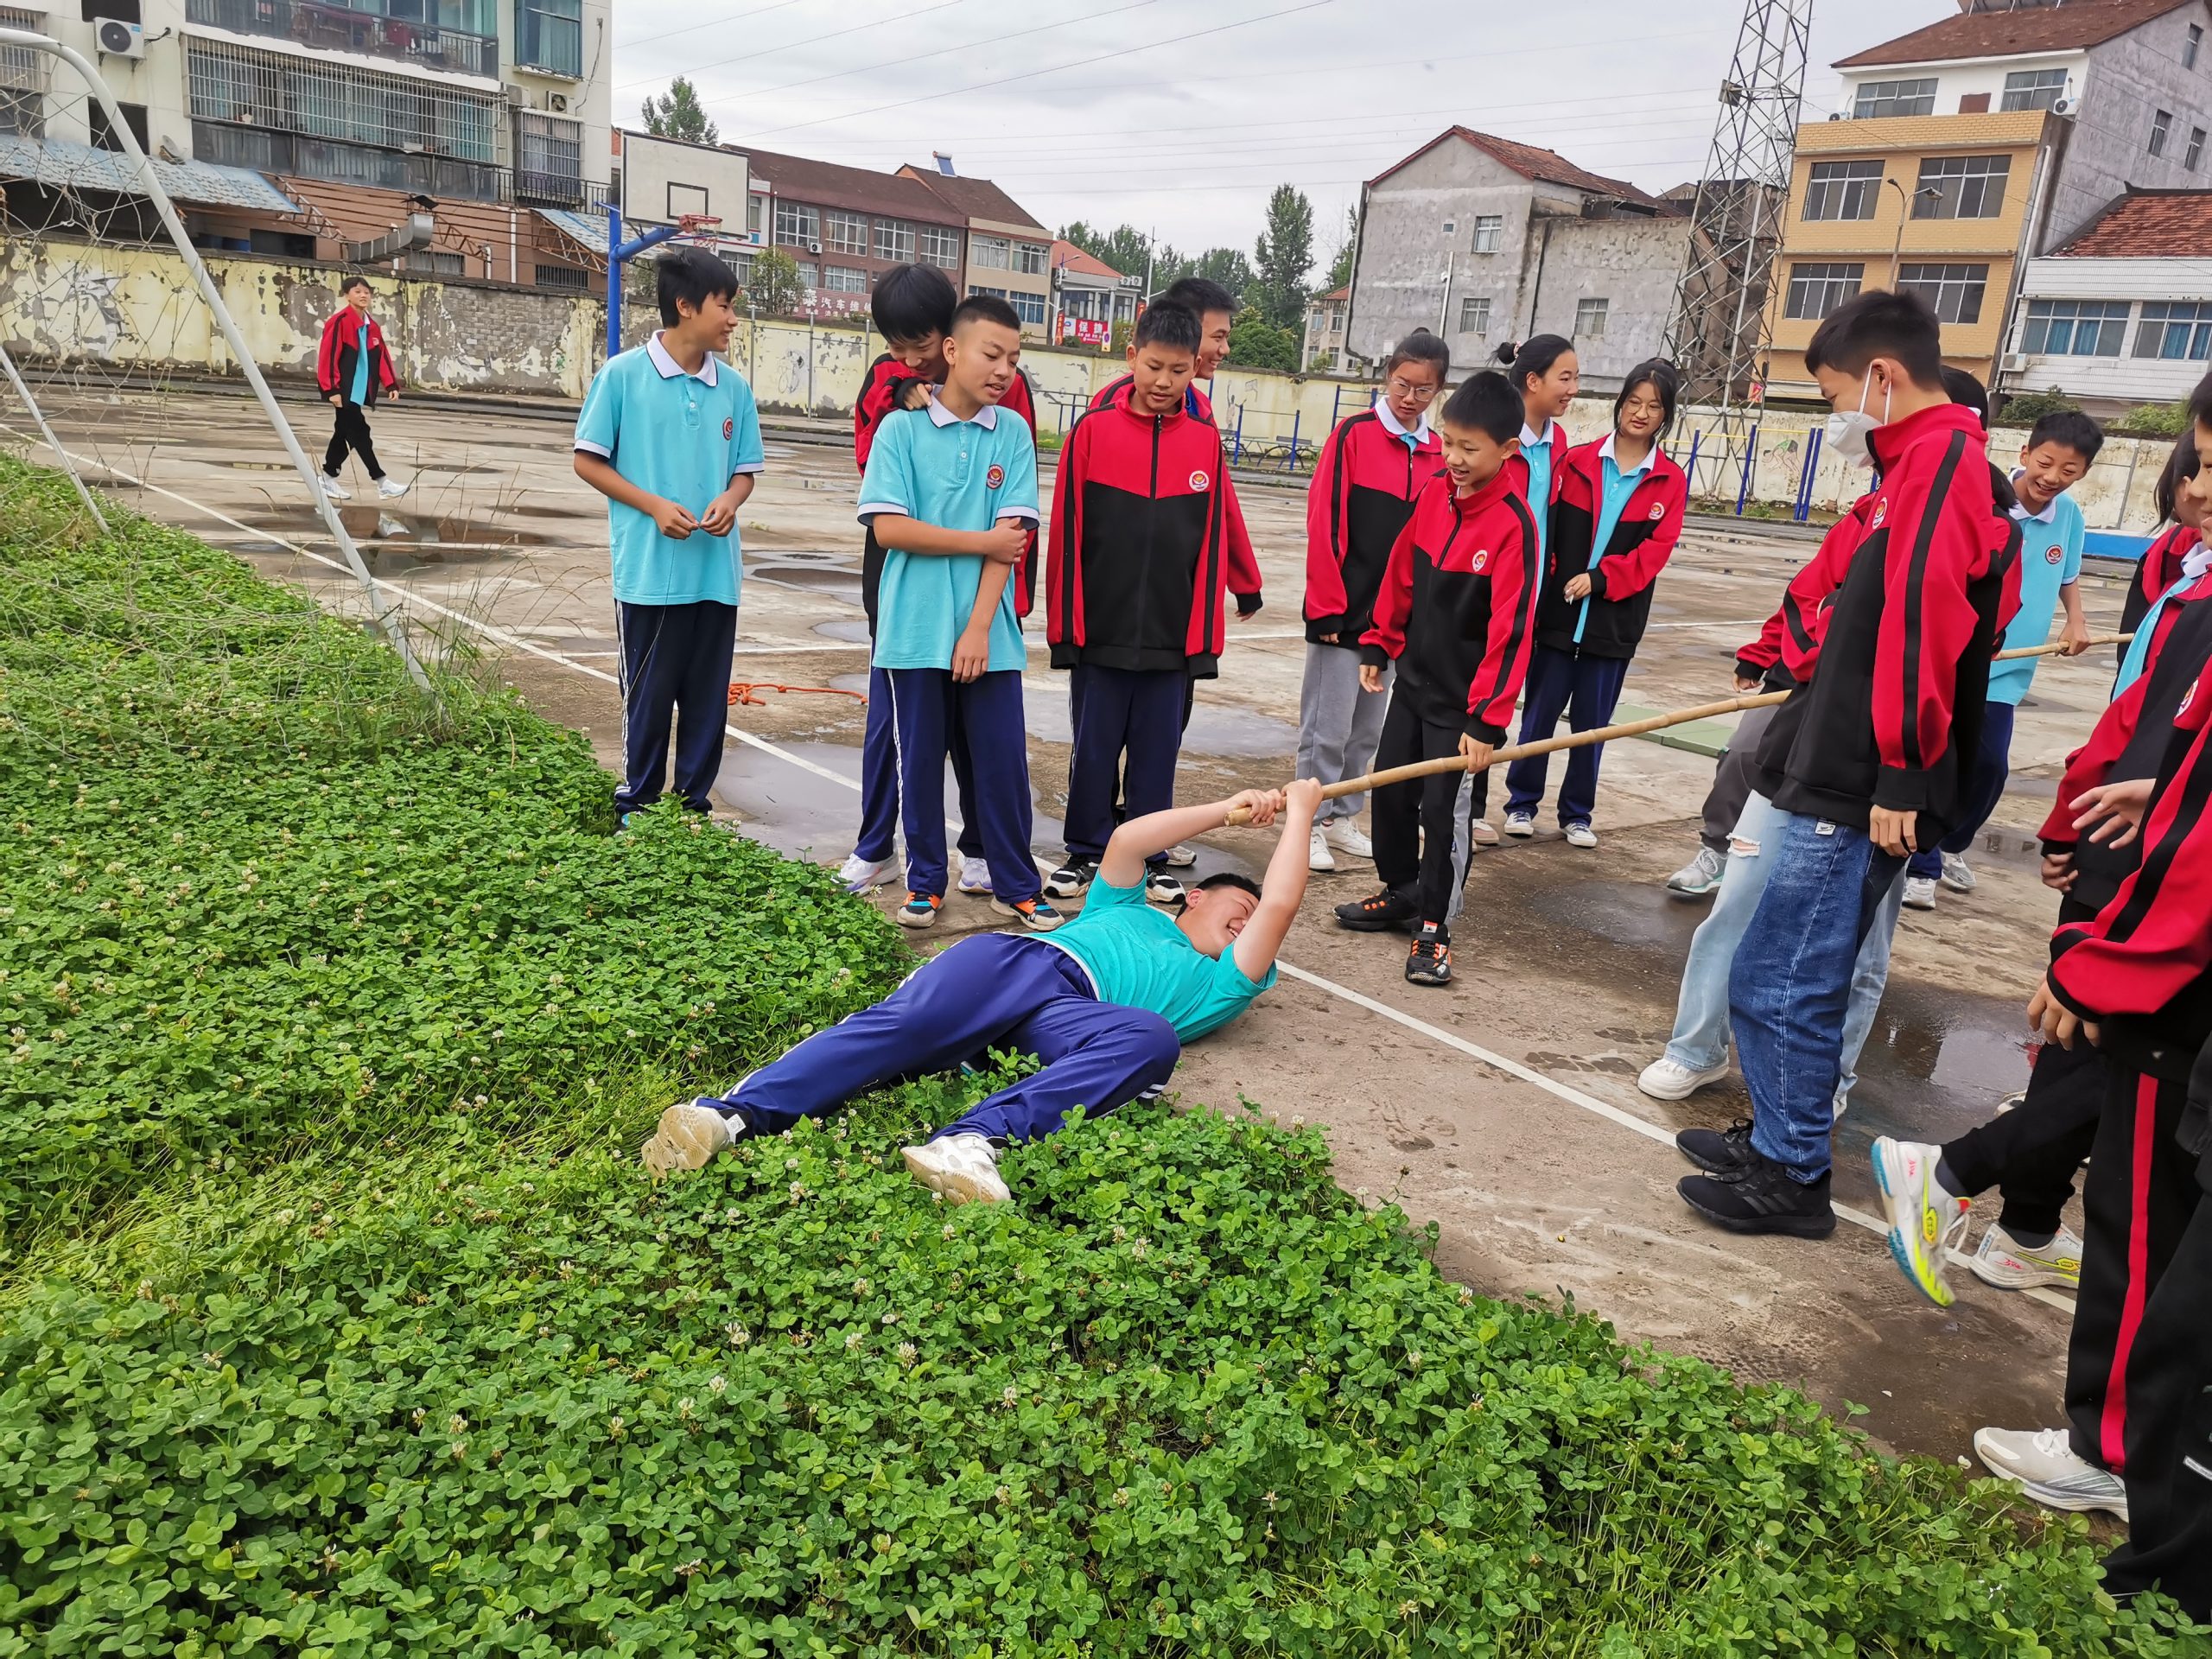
column 741, row 692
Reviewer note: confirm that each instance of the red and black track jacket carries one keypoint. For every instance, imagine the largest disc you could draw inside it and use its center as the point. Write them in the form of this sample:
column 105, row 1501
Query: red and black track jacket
column 1243, row 562
column 2156, row 571
column 1364, row 484
column 1789, row 642
column 1623, row 570
column 880, row 388
column 1895, row 708
column 1135, row 569
column 1457, row 607
column 2143, row 968
column 345, row 337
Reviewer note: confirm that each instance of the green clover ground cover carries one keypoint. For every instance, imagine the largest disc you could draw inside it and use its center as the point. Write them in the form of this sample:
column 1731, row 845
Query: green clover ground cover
column 341, row 1322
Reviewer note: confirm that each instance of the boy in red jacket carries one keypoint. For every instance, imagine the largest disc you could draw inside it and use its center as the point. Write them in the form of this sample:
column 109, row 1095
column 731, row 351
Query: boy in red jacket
column 353, row 369
column 1455, row 612
column 1870, row 756
column 1135, row 578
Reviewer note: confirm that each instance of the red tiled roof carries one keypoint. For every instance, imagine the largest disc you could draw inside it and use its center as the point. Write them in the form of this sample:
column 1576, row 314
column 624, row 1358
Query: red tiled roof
column 1068, row 256
column 1546, row 165
column 2145, row 225
column 1344, row 293
column 829, row 184
column 2065, row 27
column 976, row 197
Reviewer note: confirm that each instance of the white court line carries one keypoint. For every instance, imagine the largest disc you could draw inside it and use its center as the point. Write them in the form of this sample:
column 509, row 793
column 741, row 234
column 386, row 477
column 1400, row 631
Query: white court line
column 1497, row 1062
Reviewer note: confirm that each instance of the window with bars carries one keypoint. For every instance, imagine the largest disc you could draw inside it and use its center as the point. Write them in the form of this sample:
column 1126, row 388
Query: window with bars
column 2075, row 328
column 2162, row 126
column 328, row 98
column 431, row 262
column 2033, row 89
column 988, row 252
column 845, row 234
column 2191, row 44
column 1953, row 292
column 549, row 158
column 1030, row 307
column 1963, row 187
column 1817, row 289
column 1842, row 190
column 2177, row 330
column 1489, row 232
column 22, row 77
column 895, row 240
column 563, row 276
column 843, row 279
column 939, row 246
column 797, row 224
column 1879, row 99
column 1029, row 258
column 1474, row 315
column 1589, row 318
column 549, row 35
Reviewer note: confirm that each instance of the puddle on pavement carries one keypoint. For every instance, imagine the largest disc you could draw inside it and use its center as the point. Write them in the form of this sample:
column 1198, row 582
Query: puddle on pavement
column 836, row 574
column 851, row 629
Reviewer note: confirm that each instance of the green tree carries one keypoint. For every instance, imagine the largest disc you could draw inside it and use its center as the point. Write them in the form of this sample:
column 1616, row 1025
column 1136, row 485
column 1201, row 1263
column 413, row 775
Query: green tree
column 773, row 284
column 680, row 114
column 1283, row 255
column 1124, row 247
column 1227, row 266
column 1258, row 344
column 1340, row 261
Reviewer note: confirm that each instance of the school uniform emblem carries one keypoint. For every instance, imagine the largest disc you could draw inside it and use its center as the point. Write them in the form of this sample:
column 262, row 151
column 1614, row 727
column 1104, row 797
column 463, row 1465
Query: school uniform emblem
column 1200, row 480
column 1657, row 512
column 1881, row 512
column 1480, row 562
column 996, row 477
column 2187, row 697
column 728, row 427
column 2053, row 554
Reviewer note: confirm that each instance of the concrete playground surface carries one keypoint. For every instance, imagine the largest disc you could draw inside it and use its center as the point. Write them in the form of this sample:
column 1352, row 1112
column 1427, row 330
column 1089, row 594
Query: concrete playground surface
column 1504, row 1108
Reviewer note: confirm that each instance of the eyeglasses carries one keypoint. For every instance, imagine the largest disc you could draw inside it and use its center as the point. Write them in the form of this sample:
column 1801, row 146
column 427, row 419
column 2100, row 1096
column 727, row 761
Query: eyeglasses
column 1411, row 393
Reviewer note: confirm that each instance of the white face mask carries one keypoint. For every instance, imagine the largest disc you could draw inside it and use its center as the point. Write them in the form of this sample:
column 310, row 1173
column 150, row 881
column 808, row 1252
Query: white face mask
column 1847, row 433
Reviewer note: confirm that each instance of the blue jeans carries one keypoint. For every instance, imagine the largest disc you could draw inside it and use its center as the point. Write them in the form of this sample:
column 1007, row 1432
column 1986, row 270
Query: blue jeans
column 1700, row 1039
column 1587, row 689
column 1992, row 764
column 1790, row 987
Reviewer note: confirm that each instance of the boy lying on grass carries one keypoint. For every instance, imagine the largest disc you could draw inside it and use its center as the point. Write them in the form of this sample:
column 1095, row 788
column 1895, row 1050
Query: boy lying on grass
column 1106, row 1003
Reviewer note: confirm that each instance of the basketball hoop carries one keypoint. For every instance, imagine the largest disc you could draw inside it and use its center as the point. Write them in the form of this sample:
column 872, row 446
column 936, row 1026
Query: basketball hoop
column 695, row 224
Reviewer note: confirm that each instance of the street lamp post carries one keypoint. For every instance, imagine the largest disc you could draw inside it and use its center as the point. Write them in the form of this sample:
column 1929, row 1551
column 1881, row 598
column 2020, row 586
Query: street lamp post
column 1905, row 211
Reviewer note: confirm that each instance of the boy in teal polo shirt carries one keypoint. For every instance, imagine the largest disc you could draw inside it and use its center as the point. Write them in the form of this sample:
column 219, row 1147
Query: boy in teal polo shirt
column 2059, row 451
column 669, row 435
column 950, row 492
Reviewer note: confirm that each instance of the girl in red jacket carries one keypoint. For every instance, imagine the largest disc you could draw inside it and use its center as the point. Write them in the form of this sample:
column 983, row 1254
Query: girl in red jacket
column 1617, row 515
column 352, row 368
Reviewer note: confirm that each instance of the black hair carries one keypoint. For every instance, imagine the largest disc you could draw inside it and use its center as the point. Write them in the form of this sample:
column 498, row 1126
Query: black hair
column 912, row 303
column 1486, row 402
column 2200, row 402
column 1663, row 378
column 691, row 274
column 1968, row 392
column 1231, row 878
column 1533, row 358
column 2180, row 467
column 1422, row 346
column 1199, row 294
column 1880, row 324
column 1165, row 323
column 352, row 280
column 986, row 307
column 2070, row 429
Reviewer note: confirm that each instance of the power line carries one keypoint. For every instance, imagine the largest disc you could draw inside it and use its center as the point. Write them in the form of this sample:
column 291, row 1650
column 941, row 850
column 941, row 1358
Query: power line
column 793, row 46
column 708, row 23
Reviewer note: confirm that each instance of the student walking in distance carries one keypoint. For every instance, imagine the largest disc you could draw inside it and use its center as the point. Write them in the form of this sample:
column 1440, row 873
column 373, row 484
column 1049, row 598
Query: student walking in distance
column 1105, row 1005
column 1365, row 482
column 1455, row 612
column 950, row 492
column 2057, row 456
column 669, row 435
column 1618, row 515
column 1547, row 374
column 353, row 366
column 1877, row 752
column 1134, row 574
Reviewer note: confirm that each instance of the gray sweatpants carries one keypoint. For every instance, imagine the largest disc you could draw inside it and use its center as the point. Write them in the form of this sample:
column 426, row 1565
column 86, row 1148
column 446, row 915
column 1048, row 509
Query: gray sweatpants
column 1338, row 724
column 1732, row 780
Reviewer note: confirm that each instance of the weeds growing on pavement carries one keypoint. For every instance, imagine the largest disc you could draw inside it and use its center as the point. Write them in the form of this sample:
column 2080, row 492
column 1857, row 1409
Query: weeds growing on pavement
column 341, row 1321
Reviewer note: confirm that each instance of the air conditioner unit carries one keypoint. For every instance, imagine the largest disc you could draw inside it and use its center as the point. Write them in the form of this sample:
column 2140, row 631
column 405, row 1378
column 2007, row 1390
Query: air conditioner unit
column 117, row 39
column 2066, row 106
column 814, row 247
column 2014, row 363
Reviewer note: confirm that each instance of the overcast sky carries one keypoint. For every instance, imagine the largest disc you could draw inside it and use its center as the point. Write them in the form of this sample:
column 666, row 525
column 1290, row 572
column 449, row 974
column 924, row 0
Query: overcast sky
column 1075, row 111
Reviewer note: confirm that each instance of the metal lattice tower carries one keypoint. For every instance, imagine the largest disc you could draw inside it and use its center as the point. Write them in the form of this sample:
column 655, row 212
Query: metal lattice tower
column 1718, row 332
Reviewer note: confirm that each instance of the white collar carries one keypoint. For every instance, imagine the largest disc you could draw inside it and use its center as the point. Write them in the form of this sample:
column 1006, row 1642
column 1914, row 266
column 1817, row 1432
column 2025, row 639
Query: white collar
column 2020, row 511
column 1398, row 428
column 670, row 368
column 2196, row 561
column 1530, row 435
column 986, row 416
column 1650, row 456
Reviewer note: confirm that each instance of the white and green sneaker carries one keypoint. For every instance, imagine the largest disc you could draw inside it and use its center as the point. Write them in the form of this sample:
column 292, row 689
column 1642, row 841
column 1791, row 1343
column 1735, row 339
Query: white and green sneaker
column 2004, row 1261
column 1925, row 1220
column 2042, row 1463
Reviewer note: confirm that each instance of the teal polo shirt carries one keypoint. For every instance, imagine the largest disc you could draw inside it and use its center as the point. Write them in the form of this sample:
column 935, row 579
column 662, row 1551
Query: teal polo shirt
column 1614, row 488
column 1138, row 958
column 929, row 464
column 2051, row 557
column 684, row 437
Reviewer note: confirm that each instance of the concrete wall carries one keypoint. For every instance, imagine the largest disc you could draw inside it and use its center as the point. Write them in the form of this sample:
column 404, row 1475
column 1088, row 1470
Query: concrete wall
column 2127, row 81
column 1633, row 264
column 1960, row 79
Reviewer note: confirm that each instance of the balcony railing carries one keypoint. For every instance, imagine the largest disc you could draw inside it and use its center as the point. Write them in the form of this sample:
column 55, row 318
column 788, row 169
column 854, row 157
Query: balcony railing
column 443, row 176
column 337, row 29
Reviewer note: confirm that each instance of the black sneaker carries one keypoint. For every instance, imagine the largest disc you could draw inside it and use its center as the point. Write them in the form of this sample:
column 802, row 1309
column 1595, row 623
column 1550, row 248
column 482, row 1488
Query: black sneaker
column 1430, row 963
column 1073, row 879
column 1718, row 1152
column 1761, row 1198
column 1162, row 888
column 1379, row 914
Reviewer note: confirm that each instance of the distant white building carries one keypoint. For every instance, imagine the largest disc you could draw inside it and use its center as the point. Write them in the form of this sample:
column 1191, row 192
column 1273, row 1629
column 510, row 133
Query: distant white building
column 1325, row 330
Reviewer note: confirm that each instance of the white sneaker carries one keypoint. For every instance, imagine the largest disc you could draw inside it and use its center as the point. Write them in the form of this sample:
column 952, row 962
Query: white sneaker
column 2004, row 1261
column 2047, row 1469
column 1926, row 1218
column 692, row 1134
column 1668, row 1078
column 334, row 490
column 1956, row 876
column 1919, row 892
column 1162, row 888
column 962, row 1167
column 1181, row 857
column 1344, row 835
column 1520, row 824
column 1698, row 877
column 391, row 488
column 1317, row 855
column 1483, row 833
column 1581, row 835
column 858, row 874
column 975, row 876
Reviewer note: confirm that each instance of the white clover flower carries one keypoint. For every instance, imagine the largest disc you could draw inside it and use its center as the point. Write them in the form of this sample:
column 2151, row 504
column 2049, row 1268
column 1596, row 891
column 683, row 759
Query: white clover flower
column 456, row 1424
column 853, row 1339
column 907, row 1353
column 718, row 1384
column 1010, row 1397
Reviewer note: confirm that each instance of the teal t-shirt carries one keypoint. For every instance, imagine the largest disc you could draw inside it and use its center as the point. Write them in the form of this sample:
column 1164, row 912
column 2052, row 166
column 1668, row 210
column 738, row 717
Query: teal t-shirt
column 1137, row 957
column 1536, row 455
column 2051, row 556
column 1614, row 490
column 684, row 437
column 930, row 464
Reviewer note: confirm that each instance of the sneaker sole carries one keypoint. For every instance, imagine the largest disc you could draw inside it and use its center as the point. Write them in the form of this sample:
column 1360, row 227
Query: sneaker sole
column 684, row 1140
column 2050, row 1497
column 1368, row 925
column 949, row 1184
column 907, row 919
column 1903, row 1251
column 1790, row 1226
column 1953, row 887
column 1698, row 1080
column 1519, row 833
column 1033, row 924
column 1709, row 1169
column 2039, row 1279
column 1433, row 981
column 1181, row 861
column 1678, row 891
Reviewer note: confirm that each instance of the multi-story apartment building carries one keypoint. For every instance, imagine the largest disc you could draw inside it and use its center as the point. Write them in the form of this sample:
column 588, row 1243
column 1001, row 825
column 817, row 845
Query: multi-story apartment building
column 845, row 225
column 1962, row 151
column 1324, row 346
column 1009, row 253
